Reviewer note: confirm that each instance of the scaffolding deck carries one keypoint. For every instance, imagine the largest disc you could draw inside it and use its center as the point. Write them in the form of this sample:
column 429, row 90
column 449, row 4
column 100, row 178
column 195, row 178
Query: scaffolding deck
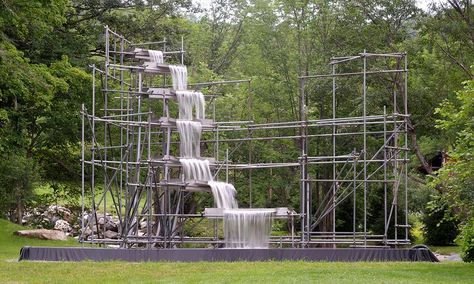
column 194, row 255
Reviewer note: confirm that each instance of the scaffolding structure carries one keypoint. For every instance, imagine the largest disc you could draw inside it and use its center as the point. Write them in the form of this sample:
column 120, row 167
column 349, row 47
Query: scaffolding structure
column 130, row 162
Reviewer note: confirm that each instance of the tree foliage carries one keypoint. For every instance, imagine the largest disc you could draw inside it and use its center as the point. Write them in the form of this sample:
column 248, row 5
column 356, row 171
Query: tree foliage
column 46, row 47
column 456, row 178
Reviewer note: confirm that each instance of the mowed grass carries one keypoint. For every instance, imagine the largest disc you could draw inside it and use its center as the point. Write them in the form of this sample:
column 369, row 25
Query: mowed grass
column 446, row 250
column 217, row 272
column 237, row 272
column 10, row 244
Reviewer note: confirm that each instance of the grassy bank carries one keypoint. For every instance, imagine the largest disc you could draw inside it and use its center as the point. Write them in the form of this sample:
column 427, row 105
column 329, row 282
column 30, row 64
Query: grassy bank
column 10, row 244
column 237, row 272
column 202, row 272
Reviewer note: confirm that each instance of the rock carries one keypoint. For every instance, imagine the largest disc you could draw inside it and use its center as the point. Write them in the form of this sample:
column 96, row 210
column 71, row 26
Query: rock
column 43, row 234
column 108, row 222
column 111, row 226
column 55, row 212
column 101, row 221
column 45, row 223
column 110, row 235
column 87, row 232
column 62, row 225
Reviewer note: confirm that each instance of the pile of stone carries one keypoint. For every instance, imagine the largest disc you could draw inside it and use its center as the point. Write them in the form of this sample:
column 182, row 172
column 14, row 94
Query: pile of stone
column 53, row 217
column 59, row 218
column 101, row 226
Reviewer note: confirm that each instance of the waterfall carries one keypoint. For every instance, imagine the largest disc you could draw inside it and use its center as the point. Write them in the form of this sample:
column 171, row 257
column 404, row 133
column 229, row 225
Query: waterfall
column 243, row 228
column 224, row 194
column 156, row 56
column 247, row 228
column 187, row 100
column 190, row 138
column 195, row 169
column 179, row 74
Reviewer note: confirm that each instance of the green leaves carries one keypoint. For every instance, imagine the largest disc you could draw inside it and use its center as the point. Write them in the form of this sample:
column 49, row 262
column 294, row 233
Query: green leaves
column 456, row 178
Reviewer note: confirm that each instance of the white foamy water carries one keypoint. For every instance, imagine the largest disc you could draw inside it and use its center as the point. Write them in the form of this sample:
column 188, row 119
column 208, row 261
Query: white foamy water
column 190, row 138
column 224, row 194
column 179, row 74
column 156, row 56
column 247, row 228
column 243, row 228
column 195, row 169
column 189, row 100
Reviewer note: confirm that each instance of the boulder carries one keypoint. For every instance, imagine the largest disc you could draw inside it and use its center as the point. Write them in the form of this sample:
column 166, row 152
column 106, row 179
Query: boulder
column 110, row 235
column 43, row 234
column 143, row 224
column 62, row 225
column 56, row 212
column 111, row 226
column 86, row 233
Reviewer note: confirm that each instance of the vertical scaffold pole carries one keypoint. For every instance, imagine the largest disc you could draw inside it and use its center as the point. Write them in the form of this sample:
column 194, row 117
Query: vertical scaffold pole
column 354, row 205
column 105, row 87
column 396, row 155
column 364, row 94
column 250, row 154
column 334, row 184
column 405, row 105
column 93, row 211
column 122, row 48
column 303, row 165
column 385, row 173
column 82, row 172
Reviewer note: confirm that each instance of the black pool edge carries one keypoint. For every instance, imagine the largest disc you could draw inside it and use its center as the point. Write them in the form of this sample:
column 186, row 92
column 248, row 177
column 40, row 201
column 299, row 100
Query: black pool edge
column 228, row 255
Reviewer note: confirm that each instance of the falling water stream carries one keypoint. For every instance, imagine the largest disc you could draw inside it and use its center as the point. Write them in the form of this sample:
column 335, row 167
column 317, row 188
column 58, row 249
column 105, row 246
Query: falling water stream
column 224, row 194
column 243, row 228
column 156, row 56
column 190, row 138
column 247, row 228
column 189, row 100
column 179, row 74
column 195, row 169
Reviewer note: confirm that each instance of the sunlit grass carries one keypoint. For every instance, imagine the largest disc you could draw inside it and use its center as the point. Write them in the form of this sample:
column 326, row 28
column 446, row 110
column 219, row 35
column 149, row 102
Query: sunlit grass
column 217, row 272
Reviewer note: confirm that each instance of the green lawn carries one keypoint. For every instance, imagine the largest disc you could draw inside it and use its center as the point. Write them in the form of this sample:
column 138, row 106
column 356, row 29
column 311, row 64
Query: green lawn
column 202, row 272
column 10, row 244
column 446, row 250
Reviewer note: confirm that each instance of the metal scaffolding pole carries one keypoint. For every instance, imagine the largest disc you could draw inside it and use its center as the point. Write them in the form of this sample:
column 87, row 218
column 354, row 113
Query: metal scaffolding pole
column 132, row 149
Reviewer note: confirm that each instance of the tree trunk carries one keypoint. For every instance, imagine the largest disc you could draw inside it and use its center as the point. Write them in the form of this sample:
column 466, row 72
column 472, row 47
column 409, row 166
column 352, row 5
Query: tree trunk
column 19, row 212
column 424, row 163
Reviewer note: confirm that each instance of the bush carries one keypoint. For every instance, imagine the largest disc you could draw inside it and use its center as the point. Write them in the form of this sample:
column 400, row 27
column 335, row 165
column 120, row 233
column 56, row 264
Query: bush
column 466, row 241
column 17, row 175
column 440, row 223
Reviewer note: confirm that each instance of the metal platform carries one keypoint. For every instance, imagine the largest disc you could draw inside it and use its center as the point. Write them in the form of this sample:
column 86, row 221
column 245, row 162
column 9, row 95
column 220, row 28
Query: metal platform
column 194, row 255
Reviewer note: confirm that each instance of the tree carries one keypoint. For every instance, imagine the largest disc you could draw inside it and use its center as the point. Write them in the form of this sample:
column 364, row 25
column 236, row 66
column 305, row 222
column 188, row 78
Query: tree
column 39, row 121
column 17, row 177
column 456, row 178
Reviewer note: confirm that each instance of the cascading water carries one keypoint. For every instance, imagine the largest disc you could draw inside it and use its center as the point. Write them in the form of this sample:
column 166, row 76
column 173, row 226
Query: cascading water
column 224, row 194
column 243, row 228
column 195, row 169
column 247, row 228
column 190, row 138
column 156, row 56
column 179, row 74
column 187, row 100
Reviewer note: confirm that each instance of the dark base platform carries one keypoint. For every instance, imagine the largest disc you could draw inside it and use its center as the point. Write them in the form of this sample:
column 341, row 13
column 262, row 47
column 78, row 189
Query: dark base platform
column 190, row 255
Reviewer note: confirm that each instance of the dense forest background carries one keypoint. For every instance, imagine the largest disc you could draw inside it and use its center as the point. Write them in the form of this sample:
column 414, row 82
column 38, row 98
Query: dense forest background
column 46, row 47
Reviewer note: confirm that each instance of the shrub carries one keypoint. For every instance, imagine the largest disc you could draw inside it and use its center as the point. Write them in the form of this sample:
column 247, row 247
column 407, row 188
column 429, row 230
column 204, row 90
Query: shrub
column 17, row 175
column 440, row 223
column 466, row 241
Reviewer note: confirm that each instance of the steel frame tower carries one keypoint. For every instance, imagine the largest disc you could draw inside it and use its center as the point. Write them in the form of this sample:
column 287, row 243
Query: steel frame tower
column 129, row 155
